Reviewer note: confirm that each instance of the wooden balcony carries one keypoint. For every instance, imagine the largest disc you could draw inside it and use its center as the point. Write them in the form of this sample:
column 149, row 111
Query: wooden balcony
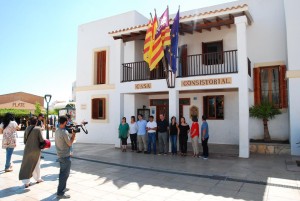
column 191, row 65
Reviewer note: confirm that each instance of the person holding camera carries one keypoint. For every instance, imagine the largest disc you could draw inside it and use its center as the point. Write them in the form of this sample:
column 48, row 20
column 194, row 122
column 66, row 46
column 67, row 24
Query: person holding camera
column 63, row 143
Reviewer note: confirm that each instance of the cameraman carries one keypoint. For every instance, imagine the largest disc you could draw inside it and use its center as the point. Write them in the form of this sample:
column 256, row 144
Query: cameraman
column 63, row 143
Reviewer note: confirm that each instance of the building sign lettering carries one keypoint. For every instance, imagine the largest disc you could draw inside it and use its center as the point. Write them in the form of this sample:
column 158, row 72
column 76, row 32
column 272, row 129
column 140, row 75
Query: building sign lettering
column 143, row 86
column 205, row 82
column 18, row 104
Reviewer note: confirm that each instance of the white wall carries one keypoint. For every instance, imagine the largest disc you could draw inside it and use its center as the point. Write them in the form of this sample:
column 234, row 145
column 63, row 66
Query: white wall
column 293, row 32
column 266, row 35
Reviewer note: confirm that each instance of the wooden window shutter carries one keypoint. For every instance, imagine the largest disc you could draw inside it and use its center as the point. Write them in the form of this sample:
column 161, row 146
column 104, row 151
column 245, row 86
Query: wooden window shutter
column 95, row 109
column 101, row 67
column 203, row 53
column 184, row 60
column 257, row 89
column 283, row 87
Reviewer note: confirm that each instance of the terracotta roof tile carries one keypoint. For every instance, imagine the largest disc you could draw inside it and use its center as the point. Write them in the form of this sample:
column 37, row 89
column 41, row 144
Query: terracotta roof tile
column 183, row 17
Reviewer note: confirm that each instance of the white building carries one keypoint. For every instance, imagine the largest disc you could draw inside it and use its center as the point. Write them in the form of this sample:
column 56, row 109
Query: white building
column 231, row 56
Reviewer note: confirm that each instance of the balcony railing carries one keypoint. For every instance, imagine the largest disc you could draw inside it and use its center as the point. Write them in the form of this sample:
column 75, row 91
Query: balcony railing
column 191, row 65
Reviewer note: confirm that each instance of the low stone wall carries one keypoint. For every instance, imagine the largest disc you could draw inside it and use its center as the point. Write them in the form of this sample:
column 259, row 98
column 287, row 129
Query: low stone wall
column 270, row 148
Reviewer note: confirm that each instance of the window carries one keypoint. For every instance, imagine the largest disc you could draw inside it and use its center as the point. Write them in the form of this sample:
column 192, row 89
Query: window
column 100, row 67
column 270, row 85
column 212, row 53
column 98, row 108
column 213, row 107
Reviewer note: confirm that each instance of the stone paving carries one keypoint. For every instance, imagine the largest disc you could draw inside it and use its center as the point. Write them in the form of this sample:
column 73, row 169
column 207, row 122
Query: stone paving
column 101, row 172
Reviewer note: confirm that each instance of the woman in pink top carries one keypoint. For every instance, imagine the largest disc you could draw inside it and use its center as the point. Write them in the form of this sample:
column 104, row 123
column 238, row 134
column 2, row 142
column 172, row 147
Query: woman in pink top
column 195, row 136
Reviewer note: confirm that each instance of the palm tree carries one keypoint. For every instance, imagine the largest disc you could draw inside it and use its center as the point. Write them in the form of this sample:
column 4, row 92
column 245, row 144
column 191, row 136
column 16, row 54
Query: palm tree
column 264, row 111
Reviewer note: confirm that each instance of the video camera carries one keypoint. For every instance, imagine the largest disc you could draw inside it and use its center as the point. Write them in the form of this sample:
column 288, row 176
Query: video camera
column 76, row 128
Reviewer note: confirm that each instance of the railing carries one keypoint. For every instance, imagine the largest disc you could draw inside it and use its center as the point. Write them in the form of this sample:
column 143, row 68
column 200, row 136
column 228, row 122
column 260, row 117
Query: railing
column 136, row 71
column 191, row 65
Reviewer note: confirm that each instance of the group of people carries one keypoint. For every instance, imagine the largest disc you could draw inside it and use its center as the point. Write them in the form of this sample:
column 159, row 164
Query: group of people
column 30, row 167
column 143, row 135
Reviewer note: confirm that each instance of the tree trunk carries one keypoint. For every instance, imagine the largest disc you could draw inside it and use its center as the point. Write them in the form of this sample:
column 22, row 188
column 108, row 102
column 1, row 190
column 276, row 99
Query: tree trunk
column 267, row 137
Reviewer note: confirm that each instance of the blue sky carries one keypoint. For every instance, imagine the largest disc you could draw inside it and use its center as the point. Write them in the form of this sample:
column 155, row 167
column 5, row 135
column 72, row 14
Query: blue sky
column 38, row 39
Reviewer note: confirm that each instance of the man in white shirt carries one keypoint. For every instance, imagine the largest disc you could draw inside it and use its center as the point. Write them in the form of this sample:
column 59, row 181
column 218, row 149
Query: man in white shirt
column 151, row 128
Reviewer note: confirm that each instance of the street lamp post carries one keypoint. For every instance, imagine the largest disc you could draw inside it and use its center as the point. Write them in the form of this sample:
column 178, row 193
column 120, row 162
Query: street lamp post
column 47, row 98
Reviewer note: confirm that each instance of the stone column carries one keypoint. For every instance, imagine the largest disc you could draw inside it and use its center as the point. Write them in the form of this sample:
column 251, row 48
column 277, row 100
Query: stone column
column 173, row 107
column 117, row 110
column 241, row 28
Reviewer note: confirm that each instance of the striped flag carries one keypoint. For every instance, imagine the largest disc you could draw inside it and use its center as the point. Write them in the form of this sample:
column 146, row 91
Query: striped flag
column 165, row 28
column 157, row 52
column 148, row 44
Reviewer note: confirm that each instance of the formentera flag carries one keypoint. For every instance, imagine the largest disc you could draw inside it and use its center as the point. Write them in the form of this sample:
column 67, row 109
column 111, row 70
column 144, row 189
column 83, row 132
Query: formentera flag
column 165, row 28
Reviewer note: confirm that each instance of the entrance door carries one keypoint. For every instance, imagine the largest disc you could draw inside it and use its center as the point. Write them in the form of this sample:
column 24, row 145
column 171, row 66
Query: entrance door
column 162, row 109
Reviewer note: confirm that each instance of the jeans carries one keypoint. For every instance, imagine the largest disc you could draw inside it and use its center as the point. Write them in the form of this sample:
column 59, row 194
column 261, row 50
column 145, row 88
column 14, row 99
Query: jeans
column 163, row 142
column 152, row 140
column 9, row 152
column 133, row 139
column 205, row 147
column 174, row 143
column 64, row 172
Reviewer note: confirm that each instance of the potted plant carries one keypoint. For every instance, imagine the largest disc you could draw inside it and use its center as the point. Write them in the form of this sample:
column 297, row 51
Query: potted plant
column 264, row 111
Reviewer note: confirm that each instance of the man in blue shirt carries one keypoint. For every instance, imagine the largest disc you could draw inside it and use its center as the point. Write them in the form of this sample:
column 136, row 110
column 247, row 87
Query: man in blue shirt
column 204, row 136
column 141, row 134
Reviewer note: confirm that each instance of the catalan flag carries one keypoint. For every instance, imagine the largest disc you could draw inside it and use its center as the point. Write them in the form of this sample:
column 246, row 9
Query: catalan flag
column 157, row 52
column 148, row 43
column 165, row 28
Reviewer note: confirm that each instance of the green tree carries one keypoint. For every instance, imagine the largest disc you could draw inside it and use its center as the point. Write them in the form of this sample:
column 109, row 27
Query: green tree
column 264, row 111
column 18, row 113
column 38, row 109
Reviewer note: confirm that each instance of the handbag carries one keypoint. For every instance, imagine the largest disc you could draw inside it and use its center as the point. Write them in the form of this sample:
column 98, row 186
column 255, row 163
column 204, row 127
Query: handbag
column 44, row 144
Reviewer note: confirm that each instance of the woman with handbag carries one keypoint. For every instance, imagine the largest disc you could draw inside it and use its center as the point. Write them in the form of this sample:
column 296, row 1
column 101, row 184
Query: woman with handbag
column 31, row 158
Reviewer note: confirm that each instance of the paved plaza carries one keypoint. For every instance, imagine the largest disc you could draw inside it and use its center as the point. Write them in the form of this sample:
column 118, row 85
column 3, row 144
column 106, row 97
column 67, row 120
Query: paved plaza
column 101, row 172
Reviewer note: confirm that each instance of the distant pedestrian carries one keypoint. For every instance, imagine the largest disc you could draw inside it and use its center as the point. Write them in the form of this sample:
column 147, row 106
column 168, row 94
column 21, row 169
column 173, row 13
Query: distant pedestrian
column 195, row 136
column 40, row 121
column 184, row 130
column 141, row 134
column 9, row 129
column 123, row 133
column 151, row 129
column 63, row 144
column 133, row 128
column 163, row 129
column 30, row 166
column 174, row 132
column 204, row 137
